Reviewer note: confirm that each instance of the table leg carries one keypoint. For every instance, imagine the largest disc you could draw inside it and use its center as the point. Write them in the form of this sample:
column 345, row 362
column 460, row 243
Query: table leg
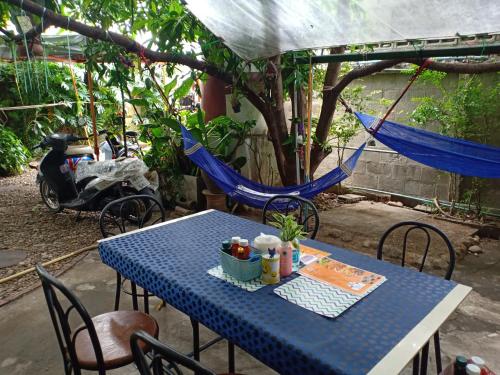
column 425, row 359
column 146, row 301
column 230, row 356
column 196, row 339
column 437, row 349
column 134, row 296
column 118, row 291
column 416, row 364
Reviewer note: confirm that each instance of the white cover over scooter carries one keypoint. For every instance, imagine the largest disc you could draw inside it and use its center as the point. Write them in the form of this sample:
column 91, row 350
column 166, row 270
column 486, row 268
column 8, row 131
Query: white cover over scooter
column 108, row 172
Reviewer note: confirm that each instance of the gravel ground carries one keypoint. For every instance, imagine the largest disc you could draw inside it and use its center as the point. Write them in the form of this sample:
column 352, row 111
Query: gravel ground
column 27, row 224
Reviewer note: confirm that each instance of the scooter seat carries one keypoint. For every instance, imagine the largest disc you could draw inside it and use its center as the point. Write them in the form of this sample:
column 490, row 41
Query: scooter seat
column 76, row 150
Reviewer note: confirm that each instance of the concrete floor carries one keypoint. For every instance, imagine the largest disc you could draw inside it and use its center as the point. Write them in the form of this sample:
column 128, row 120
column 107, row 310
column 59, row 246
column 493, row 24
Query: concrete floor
column 29, row 346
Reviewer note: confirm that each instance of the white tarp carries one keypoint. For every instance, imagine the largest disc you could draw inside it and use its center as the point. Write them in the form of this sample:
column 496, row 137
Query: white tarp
column 263, row 28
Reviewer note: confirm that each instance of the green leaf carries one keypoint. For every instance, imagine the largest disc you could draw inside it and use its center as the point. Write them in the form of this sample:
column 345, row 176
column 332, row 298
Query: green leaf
column 169, row 86
column 184, row 88
column 172, row 124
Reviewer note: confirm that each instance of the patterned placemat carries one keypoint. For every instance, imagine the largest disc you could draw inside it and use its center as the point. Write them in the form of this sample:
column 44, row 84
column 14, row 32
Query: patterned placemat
column 319, row 297
column 250, row 286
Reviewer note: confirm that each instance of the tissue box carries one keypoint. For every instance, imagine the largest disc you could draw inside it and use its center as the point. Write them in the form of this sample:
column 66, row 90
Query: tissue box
column 243, row 270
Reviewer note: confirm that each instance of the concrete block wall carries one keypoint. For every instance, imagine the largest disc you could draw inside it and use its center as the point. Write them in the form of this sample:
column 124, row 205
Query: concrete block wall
column 397, row 174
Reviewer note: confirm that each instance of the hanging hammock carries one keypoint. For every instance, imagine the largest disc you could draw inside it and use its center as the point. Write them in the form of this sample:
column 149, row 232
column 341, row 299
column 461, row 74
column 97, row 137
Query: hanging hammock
column 435, row 150
column 254, row 194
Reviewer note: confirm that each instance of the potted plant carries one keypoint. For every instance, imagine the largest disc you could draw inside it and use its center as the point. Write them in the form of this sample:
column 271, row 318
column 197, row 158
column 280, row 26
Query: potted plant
column 291, row 233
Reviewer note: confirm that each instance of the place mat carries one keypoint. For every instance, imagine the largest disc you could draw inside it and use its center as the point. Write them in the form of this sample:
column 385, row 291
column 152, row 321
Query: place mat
column 250, row 286
column 340, row 275
column 318, row 297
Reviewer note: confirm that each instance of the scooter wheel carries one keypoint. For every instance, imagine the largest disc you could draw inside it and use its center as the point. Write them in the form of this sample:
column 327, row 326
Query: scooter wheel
column 49, row 197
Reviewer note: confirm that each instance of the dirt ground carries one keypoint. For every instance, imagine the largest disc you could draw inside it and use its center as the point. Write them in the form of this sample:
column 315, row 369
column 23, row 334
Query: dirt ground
column 26, row 224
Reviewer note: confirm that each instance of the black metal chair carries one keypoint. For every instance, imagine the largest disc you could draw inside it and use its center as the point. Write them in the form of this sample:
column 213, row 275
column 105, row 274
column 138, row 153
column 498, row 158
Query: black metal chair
column 121, row 216
column 99, row 344
column 165, row 360
column 303, row 209
column 408, row 227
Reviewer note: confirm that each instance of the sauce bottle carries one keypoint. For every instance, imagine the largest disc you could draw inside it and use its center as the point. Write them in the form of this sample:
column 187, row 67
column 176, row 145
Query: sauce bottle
column 246, row 249
column 479, row 362
column 472, row 369
column 235, row 243
column 459, row 366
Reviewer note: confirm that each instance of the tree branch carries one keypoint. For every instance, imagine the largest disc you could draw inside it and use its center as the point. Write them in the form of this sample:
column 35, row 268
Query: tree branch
column 118, row 39
column 329, row 99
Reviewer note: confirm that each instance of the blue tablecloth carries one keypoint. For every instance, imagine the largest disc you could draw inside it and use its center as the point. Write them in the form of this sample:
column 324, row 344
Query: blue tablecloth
column 172, row 260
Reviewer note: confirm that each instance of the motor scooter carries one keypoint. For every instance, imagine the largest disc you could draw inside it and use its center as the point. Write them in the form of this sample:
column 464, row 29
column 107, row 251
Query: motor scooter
column 85, row 184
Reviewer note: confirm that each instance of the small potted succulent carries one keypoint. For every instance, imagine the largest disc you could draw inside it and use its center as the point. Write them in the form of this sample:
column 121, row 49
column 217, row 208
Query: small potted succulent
column 291, row 233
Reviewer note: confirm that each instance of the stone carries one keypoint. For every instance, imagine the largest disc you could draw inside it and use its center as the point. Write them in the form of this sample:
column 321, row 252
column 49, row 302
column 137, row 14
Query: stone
column 369, row 244
column 85, row 287
column 9, row 272
column 346, row 237
column 335, row 233
column 395, row 204
column 474, row 249
column 423, row 208
column 12, row 257
column 350, row 198
column 8, row 362
column 476, row 239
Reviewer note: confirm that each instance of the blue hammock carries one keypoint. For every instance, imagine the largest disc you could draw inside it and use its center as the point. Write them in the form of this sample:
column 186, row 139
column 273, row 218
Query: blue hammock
column 254, row 194
column 435, row 150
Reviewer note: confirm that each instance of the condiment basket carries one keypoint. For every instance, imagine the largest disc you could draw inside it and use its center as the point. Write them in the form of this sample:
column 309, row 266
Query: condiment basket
column 243, row 270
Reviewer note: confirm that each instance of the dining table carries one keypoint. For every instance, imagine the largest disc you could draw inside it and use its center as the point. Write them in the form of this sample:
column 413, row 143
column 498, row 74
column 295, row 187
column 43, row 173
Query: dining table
column 379, row 334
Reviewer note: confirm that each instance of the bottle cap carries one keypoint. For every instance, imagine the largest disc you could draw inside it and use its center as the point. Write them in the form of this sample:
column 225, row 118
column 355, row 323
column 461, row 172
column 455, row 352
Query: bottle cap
column 478, row 361
column 226, row 244
column 243, row 242
column 235, row 240
column 461, row 361
column 472, row 369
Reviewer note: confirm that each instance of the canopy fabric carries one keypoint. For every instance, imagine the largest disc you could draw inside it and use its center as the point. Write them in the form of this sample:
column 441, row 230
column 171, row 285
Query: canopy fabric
column 263, row 28
column 56, row 47
column 252, row 193
column 435, row 150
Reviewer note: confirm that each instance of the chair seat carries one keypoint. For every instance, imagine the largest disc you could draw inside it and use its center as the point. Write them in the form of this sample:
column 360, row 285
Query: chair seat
column 113, row 330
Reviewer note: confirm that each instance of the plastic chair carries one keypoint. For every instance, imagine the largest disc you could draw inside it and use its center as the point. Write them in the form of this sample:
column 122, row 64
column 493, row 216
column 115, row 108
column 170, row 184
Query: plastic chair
column 121, row 216
column 303, row 209
column 426, row 229
column 81, row 348
column 165, row 360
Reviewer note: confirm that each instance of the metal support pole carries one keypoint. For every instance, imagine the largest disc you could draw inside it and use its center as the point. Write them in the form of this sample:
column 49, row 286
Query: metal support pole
column 295, row 114
column 124, row 129
column 479, row 50
column 90, row 84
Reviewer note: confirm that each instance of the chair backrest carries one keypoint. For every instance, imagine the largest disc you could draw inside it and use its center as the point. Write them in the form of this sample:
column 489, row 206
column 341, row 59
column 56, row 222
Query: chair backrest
column 165, row 360
column 412, row 226
column 55, row 293
column 129, row 213
column 304, row 210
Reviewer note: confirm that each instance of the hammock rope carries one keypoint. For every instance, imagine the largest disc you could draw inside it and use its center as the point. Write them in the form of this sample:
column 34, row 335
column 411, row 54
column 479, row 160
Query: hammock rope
column 413, row 78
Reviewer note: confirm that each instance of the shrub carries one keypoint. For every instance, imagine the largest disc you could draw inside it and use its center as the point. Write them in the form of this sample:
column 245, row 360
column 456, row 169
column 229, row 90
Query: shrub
column 13, row 154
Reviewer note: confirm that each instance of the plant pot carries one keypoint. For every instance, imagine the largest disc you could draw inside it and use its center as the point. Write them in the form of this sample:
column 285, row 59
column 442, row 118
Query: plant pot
column 210, row 184
column 215, row 201
column 190, row 194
